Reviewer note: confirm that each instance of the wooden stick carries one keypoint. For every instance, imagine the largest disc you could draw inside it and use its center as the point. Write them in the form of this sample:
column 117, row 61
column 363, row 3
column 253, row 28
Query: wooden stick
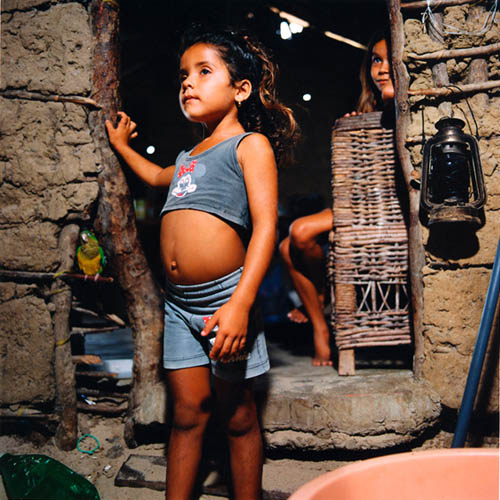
column 67, row 430
column 459, row 89
column 102, row 408
column 96, row 374
column 100, row 393
column 455, row 53
column 84, row 331
column 28, row 275
column 422, row 4
column 27, row 413
column 110, row 317
column 86, row 359
column 416, row 249
column 36, row 96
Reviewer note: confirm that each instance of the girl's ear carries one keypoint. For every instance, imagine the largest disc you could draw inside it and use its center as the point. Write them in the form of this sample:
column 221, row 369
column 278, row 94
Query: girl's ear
column 243, row 91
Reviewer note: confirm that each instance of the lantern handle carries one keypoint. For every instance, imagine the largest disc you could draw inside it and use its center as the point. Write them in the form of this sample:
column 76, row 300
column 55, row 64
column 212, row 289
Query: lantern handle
column 470, row 110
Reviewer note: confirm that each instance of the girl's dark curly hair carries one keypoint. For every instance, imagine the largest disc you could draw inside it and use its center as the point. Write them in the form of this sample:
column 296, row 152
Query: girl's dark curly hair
column 370, row 98
column 262, row 111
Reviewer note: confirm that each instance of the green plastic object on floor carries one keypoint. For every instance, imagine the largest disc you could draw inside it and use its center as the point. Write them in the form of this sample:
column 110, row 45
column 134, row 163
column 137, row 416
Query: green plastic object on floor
column 33, row 477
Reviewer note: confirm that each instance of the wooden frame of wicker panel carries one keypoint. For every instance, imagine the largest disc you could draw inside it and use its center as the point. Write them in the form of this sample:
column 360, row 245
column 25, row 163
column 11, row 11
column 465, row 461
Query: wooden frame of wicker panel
column 368, row 262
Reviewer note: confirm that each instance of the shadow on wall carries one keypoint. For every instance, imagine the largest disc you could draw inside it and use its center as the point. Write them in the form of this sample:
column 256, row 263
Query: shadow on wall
column 453, row 240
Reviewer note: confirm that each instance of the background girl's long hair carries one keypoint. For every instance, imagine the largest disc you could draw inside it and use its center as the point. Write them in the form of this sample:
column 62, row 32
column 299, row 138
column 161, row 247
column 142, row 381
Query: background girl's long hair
column 370, row 98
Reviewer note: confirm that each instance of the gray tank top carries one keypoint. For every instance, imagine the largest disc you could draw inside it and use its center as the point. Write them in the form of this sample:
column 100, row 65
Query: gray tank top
column 212, row 182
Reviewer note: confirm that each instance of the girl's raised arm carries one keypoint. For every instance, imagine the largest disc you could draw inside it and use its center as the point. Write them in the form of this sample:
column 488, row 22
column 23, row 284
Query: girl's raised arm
column 149, row 172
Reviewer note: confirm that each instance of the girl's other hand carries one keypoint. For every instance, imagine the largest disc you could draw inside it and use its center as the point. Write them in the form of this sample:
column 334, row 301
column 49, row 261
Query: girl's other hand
column 388, row 92
column 123, row 133
column 352, row 113
column 230, row 340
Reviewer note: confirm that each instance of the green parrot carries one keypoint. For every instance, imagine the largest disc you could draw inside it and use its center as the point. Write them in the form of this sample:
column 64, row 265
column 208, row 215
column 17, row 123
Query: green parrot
column 90, row 255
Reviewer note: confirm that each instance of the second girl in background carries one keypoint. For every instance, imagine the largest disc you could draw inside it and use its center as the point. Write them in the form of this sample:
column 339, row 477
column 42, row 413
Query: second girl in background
column 303, row 250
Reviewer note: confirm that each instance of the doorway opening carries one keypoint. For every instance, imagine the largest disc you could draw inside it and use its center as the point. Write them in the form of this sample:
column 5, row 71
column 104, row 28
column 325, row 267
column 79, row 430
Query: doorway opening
column 319, row 80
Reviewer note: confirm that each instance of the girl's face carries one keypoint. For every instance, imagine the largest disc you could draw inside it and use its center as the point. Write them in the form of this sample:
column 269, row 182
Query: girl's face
column 380, row 70
column 207, row 94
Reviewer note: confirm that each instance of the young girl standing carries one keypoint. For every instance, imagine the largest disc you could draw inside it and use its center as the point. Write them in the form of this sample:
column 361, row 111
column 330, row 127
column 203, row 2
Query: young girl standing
column 217, row 238
column 303, row 250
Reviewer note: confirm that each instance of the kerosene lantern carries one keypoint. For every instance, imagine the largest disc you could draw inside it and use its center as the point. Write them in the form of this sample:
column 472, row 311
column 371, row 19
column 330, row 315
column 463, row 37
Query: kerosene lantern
column 452, row 178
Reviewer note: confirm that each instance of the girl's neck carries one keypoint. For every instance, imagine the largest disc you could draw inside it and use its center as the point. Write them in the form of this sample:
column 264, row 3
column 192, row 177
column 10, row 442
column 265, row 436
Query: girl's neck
column 218, row 134
column 227, row 127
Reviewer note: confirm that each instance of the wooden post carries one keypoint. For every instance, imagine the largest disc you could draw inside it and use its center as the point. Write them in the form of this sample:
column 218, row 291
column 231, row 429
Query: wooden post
column 478, row 70
column 67, row 430
column 416, row 249
column 346, row 305
column 117, row 231
column 439, row 70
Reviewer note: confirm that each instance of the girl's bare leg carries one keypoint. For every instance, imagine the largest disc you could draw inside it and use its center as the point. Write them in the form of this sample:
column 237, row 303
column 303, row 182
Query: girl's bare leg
column 304, row 259
column 238, row 412
column 191, row 397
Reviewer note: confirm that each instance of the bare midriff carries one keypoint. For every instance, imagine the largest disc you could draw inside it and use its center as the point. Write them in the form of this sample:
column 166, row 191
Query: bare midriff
column 197, row 247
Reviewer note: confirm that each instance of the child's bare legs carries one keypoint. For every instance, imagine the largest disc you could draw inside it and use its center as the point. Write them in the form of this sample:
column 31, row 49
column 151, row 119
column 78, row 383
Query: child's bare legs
column 304, row 259
column 236, row 408
column 191, row 398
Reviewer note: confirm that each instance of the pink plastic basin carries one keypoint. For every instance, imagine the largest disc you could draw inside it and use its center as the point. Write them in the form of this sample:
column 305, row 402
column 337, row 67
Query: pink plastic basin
column 455, row 474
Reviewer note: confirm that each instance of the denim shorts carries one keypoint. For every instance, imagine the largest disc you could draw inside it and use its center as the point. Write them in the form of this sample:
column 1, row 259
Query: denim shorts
column 187, row 308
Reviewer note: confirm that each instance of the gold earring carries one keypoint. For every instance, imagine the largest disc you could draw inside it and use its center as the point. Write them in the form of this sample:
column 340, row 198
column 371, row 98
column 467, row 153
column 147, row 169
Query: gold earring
column 238, row 104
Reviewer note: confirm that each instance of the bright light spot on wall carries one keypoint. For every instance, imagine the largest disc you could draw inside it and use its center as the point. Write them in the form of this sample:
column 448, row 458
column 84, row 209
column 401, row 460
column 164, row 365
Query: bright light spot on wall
column 296, row 28
column 285, row 32
column 307, row 97
column 150, row 150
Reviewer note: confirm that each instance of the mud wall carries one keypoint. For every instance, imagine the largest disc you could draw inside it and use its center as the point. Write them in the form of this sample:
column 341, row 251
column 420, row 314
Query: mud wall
column 458, row 264
column 48, row 171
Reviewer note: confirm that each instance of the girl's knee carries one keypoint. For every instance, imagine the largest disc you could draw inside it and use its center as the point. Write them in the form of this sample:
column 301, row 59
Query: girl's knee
column 188, row 416
column 300, row 234
column 242, row 421
column 284, row 249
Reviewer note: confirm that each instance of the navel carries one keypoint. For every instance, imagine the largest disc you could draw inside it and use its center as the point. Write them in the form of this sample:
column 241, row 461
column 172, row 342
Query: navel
column 173, row 265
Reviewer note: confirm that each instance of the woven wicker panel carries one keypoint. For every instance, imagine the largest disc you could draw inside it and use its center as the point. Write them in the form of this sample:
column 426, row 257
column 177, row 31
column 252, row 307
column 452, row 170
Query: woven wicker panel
column 368, row 263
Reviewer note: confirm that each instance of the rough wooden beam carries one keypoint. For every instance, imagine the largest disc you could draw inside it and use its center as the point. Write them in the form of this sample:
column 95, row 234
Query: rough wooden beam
column 422, row 4
column 440, row 76
column 457, row 89
column 35, row 276
column 416, row 249
column 457, row 53
column 478, row 69
column 27, row 413
column 117, row 231
column 67, row 430
column 37, row 96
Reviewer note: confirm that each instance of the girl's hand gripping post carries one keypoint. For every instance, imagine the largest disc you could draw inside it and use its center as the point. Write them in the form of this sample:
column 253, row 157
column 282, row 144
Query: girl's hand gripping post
column 121, row 135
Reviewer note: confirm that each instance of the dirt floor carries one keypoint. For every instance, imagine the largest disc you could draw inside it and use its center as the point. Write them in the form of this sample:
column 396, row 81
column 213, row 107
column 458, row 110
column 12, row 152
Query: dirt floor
column 281, row 476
